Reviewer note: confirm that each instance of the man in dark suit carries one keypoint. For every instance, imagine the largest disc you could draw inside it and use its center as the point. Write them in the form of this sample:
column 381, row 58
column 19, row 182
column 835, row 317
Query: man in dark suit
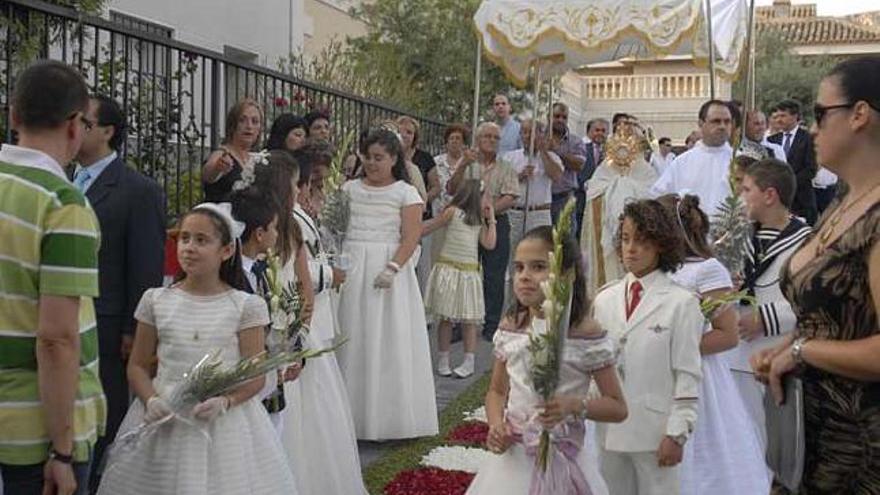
column 131, row 211
column 798, row 146
column 597, row 131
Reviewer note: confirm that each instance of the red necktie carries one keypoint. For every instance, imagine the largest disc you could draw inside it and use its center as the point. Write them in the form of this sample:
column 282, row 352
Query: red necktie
column 635, row 296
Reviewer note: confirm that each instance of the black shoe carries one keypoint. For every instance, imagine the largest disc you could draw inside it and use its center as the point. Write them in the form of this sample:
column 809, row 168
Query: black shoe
column 488, row 334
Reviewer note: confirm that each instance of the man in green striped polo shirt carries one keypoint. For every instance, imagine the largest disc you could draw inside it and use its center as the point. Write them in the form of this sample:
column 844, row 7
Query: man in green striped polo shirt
column 52, row 407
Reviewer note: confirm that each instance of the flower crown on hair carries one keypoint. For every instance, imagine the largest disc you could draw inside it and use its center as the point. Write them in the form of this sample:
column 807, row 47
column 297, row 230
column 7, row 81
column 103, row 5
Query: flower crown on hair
column 390, row 127
column 248, row 171
column 224, row 211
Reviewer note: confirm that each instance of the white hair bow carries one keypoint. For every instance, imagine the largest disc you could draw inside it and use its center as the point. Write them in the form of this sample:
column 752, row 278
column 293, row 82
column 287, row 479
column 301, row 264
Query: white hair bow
column 224, row 210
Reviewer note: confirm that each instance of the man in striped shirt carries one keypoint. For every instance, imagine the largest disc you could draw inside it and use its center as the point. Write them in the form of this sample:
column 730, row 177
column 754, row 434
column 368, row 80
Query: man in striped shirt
column 52, row 407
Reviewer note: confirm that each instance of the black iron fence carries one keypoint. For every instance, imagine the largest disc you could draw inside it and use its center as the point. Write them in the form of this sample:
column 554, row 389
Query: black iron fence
column 174, row 95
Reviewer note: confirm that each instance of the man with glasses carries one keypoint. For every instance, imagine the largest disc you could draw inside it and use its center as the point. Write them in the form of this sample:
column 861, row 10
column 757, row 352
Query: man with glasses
column 703, row 170
column 131, row 211
column 798, row 146
column 52, row 408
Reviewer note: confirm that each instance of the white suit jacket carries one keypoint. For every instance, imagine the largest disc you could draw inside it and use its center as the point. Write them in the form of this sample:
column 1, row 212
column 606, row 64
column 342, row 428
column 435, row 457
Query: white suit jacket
column 659, row 362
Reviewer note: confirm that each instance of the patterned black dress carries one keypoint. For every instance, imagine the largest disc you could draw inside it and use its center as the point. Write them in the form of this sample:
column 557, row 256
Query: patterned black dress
column 832, row 300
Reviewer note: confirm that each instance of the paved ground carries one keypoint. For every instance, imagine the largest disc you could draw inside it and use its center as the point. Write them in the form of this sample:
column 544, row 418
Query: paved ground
column 446, row 388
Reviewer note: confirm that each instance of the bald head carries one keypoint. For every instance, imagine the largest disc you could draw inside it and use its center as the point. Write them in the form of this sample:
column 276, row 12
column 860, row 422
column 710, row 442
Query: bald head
column 756, row 125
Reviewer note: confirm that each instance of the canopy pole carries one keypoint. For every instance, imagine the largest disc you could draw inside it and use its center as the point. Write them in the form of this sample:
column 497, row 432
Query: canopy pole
column 711, row 49
column 751, row 42
column 535, row 93
column 477, row 71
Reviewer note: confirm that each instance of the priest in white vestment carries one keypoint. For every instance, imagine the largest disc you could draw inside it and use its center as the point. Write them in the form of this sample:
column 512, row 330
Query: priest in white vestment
column 704, row 169
column 624, row 176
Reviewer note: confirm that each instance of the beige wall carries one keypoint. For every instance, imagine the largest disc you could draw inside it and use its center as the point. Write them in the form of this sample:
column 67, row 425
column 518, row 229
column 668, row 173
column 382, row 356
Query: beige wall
column 665, row 95
column 326, row 20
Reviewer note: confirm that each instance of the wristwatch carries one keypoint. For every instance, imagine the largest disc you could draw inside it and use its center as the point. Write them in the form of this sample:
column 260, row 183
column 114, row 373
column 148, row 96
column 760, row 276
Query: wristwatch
column 797, row 351
column 54, row 455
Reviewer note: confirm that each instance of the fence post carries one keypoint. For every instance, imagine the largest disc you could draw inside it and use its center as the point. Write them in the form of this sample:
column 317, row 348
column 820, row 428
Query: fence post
column 215, row 104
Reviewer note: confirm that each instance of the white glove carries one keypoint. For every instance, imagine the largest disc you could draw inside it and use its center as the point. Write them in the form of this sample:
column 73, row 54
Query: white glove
column 156, row 409
column 386, row 276
column 211, row 408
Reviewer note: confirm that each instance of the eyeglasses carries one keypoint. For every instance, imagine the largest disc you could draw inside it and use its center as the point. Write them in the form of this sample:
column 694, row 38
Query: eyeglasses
column 819, row 111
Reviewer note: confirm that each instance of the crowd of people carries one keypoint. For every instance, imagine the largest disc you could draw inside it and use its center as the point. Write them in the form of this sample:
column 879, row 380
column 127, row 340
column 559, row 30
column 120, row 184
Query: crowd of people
column 670, row 362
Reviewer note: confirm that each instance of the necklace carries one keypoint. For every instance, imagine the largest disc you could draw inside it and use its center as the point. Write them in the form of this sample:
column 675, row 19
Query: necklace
column 828, row 229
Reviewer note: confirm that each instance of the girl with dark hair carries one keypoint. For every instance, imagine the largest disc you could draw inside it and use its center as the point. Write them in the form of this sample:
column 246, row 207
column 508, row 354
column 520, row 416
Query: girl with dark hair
column 657, row 325
column 178, row 325
column 289, row 132
column 515, row 412
column 224, row 167
column 455, row 284
column 725, row 452
column 387, row 361
column 833, row 285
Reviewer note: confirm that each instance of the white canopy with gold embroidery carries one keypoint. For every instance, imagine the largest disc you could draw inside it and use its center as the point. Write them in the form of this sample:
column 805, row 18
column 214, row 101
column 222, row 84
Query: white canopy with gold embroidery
column 571, row 33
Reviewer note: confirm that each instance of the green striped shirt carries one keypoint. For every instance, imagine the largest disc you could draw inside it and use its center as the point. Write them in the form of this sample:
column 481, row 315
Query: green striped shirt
column 50, row 247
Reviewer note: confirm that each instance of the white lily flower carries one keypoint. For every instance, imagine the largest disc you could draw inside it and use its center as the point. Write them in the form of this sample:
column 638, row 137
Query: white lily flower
column 547, row 289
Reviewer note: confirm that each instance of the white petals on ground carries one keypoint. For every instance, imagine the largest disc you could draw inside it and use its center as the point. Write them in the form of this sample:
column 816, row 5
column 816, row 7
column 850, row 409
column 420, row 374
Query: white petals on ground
column 478, row 414
column 458, row 458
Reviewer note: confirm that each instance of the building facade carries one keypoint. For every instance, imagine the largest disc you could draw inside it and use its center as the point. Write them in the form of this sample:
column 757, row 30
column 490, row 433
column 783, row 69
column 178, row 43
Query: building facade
column 666, row 92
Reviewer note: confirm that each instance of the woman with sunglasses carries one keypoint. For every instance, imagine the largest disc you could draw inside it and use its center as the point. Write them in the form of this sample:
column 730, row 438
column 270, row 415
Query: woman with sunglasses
column 833, row 284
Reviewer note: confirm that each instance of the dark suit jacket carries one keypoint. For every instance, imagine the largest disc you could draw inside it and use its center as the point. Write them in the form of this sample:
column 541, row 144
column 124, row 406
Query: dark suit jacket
column 131, row 210
column 802, row 158
column 589, row 166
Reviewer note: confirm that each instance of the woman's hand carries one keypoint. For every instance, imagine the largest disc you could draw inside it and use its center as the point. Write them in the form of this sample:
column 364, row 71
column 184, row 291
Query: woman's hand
column 781, row 365
column 499, row 438
column 762, row 361
column 558, row 409
column 219, row 163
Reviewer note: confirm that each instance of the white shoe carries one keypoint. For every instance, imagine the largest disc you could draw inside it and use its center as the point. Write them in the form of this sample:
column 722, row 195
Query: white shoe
column 467, row 367
column 443, row 364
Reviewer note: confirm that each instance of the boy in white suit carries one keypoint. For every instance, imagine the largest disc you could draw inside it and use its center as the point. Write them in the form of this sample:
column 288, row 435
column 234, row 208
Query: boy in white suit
column 768, row 189
column 658, row 325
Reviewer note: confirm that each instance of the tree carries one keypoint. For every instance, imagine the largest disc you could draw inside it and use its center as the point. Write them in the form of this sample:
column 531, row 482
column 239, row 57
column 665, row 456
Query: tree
column 781, row 74
column 421, row 54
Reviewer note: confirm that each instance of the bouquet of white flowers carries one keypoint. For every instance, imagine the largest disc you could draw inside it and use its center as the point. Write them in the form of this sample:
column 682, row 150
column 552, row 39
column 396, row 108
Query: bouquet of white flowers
column 286, row 305
column 206, row 379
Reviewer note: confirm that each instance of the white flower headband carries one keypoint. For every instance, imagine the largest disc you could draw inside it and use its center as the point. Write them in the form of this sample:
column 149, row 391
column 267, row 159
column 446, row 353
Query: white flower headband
column 248, row 171
column 224, row 211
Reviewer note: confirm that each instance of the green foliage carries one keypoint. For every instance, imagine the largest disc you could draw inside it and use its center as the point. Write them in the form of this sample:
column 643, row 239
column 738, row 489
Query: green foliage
column 421, row 55
column 781, row 74
column 730, row 232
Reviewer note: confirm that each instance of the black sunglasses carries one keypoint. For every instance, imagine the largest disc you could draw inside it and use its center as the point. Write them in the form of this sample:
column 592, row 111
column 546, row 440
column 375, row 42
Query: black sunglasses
column 819, row 111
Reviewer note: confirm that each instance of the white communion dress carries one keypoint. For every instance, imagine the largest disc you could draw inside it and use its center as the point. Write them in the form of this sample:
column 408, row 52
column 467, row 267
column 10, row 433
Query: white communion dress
column 511, row 472
column 241, row 453
column 318, row 433
column 386, row 363
column 723, row 456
